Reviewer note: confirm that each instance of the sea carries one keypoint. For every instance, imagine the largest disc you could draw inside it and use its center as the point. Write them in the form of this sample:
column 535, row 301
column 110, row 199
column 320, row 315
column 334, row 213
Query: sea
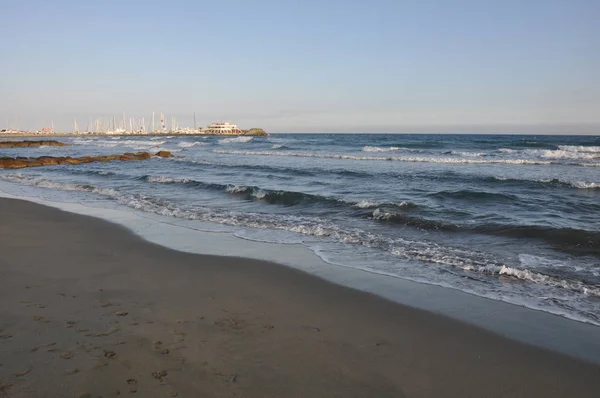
column 514, row 218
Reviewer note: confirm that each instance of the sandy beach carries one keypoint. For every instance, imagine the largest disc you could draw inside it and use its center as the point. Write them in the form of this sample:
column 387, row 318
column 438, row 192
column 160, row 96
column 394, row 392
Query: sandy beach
column 88, row 309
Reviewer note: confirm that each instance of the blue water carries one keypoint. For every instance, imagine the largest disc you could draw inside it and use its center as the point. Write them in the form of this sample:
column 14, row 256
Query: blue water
column 511, row 218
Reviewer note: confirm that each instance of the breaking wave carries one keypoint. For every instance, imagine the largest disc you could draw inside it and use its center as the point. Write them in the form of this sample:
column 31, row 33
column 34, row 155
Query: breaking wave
column 423, row 159
column 554, row 181
column 235, row 140
column 186, row 144
column 378, row 149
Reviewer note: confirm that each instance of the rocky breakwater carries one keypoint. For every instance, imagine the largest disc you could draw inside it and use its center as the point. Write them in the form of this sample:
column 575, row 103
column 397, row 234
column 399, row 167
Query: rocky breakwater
column 22, row 162
column 27, row 144
column 255, row 132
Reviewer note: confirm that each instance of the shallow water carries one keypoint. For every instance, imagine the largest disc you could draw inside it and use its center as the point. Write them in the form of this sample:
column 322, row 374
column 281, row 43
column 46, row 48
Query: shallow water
column 512, row 218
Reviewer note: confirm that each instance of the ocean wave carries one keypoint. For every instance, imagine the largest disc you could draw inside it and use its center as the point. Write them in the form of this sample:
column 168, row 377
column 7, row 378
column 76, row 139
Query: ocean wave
column 566, row 239
column 466, row 194
column 563, row 152
column 390, row 158
column 136, row 144
column 420, row 145
column 280, row 197
column 366, row 204
column 573, row 184
column 379, row 149
column 468, row 154
column 530, row 144
column 235, row 140
column 579, row 148
column 371, row 204
column 279, row 146
column 167, row 180
column 158, row 149
column 187, row 144
column 539, row 278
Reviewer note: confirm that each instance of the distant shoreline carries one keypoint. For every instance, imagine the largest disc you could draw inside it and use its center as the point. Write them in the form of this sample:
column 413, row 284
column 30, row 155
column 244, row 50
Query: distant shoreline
column 16, row 135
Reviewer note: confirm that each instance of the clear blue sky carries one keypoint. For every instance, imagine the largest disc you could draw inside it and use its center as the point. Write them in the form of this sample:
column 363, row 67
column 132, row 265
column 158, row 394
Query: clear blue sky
column 305, row 65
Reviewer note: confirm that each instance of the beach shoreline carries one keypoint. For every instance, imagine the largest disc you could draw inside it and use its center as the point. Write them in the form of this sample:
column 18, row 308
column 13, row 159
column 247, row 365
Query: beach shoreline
column 222, row 326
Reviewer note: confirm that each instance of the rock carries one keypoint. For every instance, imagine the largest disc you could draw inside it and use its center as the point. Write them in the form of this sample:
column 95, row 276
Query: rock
column 13, row 164
column 164, row 154
column 48, row 160
column 22, row 162
column 256, row 132
column 27, row 144
column 121, row 313
column 127, row 158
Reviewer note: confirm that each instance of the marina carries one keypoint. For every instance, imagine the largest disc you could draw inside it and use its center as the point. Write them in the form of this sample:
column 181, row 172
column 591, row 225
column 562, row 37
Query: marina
column 133, row 126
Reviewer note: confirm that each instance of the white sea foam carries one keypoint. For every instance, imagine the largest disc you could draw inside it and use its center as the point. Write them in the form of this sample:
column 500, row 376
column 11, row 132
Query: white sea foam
column 136, row 144
column 389, row 158
column 277, row 146
column 157, row 149
column 575, row 184
column 379, row 149
column 167, row 180
column 468, row 154
column 585, row 185
column 187, row 144
column 235, row 140
column 574, row 148
column 365, row 204
column 563, row 152
column 236, row 189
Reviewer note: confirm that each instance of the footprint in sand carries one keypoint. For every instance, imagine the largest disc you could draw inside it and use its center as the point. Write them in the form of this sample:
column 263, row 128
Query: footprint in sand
column 5, row 336
column 110, row 354
column 22, row 373
column 4, row 387
column 66, row 355
column 37, row 317
column 37, row 347
column 108, row 333
column 100, row 364
column 132, row 385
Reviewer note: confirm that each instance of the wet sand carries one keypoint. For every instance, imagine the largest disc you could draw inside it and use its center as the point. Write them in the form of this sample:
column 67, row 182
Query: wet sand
column 88, row 309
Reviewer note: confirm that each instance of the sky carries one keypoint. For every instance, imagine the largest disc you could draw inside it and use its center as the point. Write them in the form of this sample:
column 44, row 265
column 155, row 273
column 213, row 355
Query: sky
column 471, row 66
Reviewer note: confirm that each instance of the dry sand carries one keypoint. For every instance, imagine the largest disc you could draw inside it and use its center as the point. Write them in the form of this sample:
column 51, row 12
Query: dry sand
column 88, row 309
